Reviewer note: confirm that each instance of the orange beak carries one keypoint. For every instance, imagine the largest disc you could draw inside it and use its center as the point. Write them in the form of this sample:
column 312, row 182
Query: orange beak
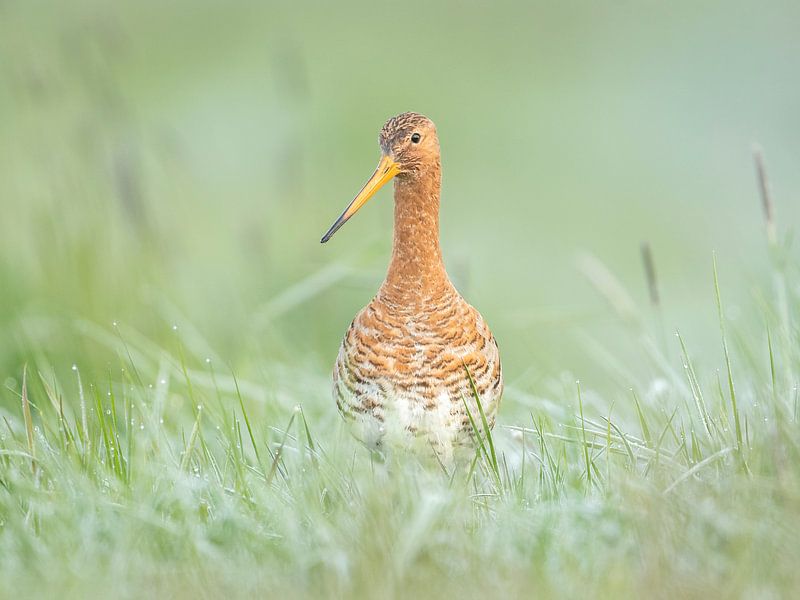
column 386, row 170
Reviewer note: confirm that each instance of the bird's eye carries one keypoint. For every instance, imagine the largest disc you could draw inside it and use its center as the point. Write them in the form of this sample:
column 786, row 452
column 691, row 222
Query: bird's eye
column 415, row 138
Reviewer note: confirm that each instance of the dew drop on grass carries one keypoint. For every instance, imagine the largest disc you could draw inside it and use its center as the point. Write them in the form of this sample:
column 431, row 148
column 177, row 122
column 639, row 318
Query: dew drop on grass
column 108, row 411
column 163, row 382
column 141, row 426
column 208, row 361
column 161, row 421
column 74, row 367
column 114, row 324
column 174, row 328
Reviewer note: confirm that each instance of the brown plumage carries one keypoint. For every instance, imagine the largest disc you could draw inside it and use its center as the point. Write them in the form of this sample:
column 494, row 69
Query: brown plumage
column 401, row 374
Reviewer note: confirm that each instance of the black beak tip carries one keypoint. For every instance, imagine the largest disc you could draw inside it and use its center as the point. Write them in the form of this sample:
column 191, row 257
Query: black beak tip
column 334, row 228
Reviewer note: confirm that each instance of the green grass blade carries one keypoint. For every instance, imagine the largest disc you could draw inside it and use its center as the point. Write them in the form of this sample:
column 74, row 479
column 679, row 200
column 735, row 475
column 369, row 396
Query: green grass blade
column 484, row 421
column 734, row 406
column 583, row 439
column 26, row 414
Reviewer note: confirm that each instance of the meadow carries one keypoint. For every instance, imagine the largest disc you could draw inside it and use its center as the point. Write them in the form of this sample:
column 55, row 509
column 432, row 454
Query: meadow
column 620, row 199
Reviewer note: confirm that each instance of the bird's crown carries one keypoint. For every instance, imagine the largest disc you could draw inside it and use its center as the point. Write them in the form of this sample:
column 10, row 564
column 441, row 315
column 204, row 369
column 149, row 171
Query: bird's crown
column 401, row 125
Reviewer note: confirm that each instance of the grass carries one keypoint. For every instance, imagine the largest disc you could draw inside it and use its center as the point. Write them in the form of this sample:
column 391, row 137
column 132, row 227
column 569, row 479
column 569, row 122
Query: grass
column 160, row 478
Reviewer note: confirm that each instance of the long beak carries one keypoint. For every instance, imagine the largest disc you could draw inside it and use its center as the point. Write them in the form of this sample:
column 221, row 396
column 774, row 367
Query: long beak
column 387, row 169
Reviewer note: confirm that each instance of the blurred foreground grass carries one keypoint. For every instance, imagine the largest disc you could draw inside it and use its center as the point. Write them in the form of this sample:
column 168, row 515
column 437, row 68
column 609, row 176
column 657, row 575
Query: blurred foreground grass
column 166, row 173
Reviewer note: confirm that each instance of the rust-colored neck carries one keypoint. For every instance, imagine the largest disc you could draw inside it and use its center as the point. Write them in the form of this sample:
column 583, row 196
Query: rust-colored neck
column 416, row 269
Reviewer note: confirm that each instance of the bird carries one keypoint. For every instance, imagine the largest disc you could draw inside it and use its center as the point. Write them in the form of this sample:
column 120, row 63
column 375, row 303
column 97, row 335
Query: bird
column 412, row 360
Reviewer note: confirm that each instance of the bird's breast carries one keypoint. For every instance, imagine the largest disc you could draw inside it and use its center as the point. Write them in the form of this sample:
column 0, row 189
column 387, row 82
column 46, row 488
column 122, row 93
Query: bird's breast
column 403, row 369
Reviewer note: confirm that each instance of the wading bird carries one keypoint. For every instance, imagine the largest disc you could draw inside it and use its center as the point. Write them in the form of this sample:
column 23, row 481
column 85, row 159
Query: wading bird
column 402, row 376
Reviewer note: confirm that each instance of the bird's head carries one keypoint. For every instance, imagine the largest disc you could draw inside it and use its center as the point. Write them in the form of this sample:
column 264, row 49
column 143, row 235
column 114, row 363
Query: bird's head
column 410, row 141
column 409, row 146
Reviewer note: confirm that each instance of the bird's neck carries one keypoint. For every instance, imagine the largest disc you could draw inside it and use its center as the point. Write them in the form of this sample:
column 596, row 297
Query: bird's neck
column 416, row 269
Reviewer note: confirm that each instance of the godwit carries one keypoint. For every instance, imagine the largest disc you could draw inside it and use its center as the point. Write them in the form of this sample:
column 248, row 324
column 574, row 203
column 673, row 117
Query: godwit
column 401, row 373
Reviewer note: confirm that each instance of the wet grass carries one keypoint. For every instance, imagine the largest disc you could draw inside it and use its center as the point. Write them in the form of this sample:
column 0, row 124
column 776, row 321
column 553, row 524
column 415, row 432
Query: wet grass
column 172, row 476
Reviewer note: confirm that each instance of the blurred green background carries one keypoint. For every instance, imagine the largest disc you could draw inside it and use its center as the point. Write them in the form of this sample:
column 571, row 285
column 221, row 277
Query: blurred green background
column 177, row 163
